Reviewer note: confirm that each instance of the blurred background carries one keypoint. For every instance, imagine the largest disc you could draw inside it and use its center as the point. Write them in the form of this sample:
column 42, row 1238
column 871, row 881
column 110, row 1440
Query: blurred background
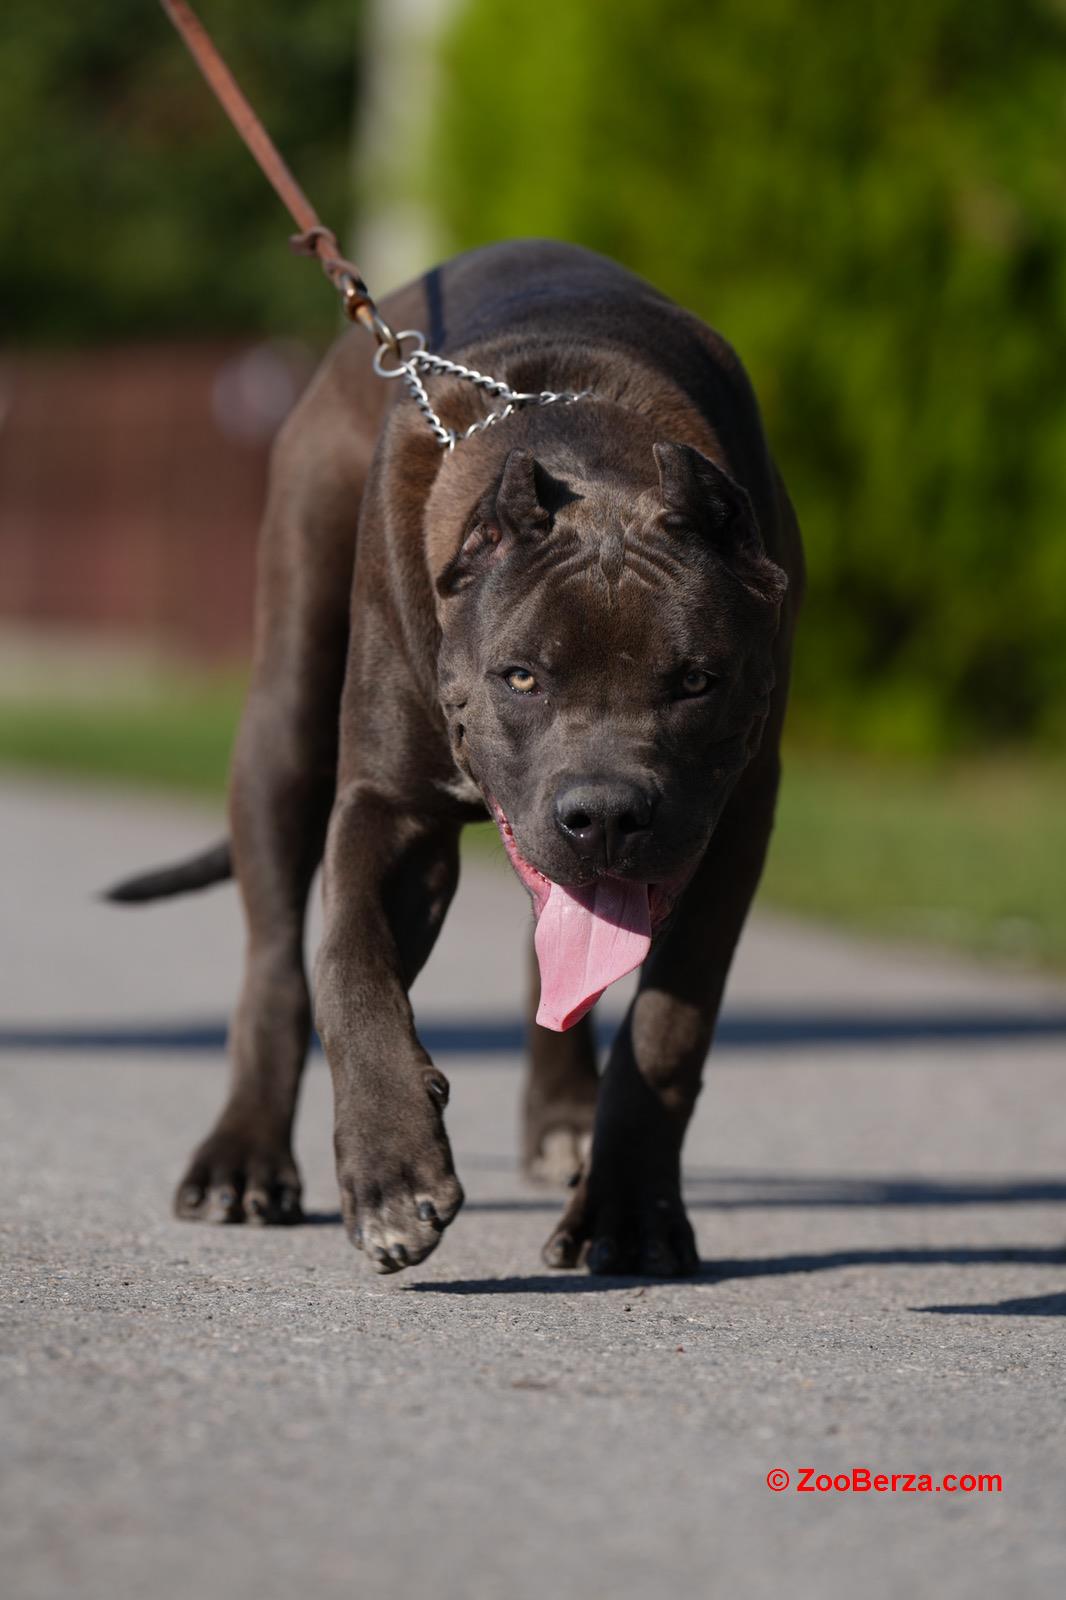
column 869, row 203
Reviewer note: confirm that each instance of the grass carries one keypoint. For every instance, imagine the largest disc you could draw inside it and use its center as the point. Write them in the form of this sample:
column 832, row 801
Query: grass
column 970, row 856
column 174, row 735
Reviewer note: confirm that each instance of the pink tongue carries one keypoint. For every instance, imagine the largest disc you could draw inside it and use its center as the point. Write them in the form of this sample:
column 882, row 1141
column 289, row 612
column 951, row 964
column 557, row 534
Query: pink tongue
column 585, row 940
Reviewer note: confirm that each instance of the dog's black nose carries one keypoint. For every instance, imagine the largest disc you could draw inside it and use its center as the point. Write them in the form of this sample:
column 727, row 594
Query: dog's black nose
column 601, row 820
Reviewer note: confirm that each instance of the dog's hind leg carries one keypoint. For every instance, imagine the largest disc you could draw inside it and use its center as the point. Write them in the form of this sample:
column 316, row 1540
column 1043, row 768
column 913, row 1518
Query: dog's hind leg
column 559, row 1102
column 281, row 789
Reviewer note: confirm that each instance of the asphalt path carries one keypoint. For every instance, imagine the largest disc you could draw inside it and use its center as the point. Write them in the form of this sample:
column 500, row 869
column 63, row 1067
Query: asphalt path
column 877, row 1174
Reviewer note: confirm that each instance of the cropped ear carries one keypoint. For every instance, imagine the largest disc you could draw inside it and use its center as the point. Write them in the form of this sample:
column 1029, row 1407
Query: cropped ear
column 513, row 509
column 698, row 496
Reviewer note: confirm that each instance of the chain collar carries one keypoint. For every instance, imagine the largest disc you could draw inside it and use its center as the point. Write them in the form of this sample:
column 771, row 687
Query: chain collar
column 411, row 367
column 317, row 240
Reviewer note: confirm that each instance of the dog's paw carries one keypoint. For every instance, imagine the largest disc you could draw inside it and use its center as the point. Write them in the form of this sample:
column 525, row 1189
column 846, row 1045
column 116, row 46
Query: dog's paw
column 559, row 1156
column 624, row 1227
column 399, row 1192
column 557, row 1134
column 240, row 1176
column 398, row 1215
column 398, row 1219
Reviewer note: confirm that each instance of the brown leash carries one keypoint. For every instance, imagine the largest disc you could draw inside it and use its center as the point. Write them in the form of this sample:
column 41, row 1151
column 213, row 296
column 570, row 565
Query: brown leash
column 411, row 364
column 314, row 238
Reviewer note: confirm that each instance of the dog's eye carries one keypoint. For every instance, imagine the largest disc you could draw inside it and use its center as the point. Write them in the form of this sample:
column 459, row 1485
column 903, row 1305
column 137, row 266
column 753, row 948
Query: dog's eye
column 695, row 683
column 521, row 681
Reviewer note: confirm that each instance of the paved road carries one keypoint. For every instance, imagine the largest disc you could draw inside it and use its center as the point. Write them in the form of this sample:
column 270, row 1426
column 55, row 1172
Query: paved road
column 878, row 1176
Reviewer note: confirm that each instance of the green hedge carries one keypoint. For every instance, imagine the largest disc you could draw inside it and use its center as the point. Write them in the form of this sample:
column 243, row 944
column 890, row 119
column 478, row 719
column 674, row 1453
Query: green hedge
column 127, row 206
column 870, row 201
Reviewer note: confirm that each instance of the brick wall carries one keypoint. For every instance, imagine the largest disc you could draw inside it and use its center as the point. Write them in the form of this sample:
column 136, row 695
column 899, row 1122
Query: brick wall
column 131, row 485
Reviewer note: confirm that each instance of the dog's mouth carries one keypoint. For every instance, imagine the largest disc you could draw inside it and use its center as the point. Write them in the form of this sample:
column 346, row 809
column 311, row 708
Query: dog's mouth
column 587, row 936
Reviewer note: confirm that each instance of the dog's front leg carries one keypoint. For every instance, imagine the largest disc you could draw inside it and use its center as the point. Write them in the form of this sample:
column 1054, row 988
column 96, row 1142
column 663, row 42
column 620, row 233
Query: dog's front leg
column 389, row 878
column 627, row 1213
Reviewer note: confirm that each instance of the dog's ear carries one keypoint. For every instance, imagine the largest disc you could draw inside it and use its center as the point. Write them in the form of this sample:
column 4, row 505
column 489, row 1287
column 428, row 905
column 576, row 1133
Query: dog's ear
column 513, row 509
column 697, row 496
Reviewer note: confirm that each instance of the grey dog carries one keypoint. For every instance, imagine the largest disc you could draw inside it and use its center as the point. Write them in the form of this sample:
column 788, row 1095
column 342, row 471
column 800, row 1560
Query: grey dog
column 579, row 622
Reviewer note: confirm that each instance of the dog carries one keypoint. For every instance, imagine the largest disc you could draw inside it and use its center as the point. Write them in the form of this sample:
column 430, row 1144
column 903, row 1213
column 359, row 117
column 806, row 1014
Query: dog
column 579, row 622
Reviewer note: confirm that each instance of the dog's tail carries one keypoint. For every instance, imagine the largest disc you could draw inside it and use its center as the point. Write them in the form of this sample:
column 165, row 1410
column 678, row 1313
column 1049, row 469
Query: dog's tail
column 210, row 866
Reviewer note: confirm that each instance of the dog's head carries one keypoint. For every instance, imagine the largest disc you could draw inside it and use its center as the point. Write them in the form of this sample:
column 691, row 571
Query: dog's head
column 606, row 665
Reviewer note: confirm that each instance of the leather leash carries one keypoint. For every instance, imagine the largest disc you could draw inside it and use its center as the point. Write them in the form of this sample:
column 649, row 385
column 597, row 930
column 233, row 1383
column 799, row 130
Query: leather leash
column 314, row 238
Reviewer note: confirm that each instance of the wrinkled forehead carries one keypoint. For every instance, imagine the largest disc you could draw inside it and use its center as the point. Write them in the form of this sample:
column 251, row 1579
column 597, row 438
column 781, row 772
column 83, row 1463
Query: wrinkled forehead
column 619, row 596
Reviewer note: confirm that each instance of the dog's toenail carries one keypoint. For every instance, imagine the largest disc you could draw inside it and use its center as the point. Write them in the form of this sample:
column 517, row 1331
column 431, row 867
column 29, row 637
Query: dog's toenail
column 398, row 1254
column 427, row 1211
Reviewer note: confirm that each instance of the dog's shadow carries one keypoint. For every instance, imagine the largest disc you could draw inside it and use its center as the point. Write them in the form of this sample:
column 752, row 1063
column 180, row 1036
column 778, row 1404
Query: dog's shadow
column 758, row 1191
column 715, row 1272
